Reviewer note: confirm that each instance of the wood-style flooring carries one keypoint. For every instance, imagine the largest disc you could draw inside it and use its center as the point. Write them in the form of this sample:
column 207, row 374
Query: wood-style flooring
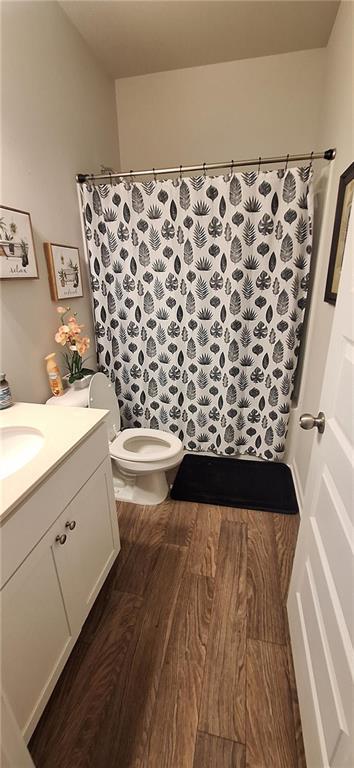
column 184, row 660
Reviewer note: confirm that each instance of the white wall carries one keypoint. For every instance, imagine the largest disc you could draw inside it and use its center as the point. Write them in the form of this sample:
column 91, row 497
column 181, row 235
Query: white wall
column 58, row 118
column 263, row 106
column 336, row 130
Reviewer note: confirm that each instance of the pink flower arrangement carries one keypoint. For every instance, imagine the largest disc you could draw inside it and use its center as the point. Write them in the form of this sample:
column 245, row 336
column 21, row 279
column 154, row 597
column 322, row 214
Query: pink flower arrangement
column 69, row 334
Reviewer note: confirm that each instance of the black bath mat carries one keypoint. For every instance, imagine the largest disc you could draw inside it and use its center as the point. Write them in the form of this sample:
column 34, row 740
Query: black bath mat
column 236, row 483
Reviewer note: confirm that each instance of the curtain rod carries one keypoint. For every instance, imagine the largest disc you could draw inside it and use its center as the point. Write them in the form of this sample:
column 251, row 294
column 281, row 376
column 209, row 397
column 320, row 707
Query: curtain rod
column 328, row 154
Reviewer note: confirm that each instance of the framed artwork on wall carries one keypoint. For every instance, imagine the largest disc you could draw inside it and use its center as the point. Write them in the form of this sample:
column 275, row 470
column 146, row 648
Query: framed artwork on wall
column 63, row 262
column 341, row 221
column 17, row 253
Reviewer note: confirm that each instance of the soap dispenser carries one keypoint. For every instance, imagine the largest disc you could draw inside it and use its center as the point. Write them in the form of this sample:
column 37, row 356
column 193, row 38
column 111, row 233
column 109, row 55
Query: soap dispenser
column 5, row 393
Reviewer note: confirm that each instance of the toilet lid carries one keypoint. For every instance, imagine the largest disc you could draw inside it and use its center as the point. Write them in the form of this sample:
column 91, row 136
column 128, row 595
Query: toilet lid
column 145, row 445
column 102, row 395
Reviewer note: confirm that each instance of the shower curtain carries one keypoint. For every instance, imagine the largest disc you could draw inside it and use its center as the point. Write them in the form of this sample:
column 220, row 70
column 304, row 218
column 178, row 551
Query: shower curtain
column 199, row 288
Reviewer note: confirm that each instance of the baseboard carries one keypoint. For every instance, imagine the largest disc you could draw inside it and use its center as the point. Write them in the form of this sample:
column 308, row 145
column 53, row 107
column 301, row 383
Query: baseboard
column 298, row 486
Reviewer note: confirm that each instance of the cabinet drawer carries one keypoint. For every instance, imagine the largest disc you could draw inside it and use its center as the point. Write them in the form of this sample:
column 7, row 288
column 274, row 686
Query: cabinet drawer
column 22, row 530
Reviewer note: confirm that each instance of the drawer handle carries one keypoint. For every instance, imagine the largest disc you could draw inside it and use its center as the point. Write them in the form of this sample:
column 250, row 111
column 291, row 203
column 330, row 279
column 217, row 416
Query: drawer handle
column 61, row 539
column 71, row 525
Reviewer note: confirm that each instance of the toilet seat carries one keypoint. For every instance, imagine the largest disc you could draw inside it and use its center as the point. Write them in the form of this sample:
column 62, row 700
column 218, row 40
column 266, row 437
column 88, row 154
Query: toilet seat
column 145, row 445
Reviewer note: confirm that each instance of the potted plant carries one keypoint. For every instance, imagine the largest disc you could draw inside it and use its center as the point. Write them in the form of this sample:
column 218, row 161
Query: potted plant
column 69, row 335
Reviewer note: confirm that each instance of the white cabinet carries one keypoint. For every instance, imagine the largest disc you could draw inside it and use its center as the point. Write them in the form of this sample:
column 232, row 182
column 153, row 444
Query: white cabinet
column 35, row 631
column 89, row 549
column 47, row 598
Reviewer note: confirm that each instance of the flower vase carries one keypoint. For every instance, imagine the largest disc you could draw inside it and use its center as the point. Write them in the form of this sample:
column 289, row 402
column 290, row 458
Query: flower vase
column 82, row 383
column 79, row 383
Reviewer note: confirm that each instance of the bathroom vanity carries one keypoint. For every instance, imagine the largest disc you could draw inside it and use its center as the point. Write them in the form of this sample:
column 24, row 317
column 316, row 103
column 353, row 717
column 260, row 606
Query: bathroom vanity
column 59, row 539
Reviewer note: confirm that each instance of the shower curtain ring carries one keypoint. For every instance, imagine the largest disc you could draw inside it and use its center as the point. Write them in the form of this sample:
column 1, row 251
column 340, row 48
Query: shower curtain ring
column 232, row 167
column 311, row 160
column 180, row 173
column 259, row 163
column 110, row 178
column 131, row 176
column 204, row 170
column 154, row 172
column 287, row 161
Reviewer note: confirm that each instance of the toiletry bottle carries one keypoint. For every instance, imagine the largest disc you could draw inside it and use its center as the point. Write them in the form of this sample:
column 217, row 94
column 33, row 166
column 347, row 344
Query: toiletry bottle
column 54, row 377
column 5, row 393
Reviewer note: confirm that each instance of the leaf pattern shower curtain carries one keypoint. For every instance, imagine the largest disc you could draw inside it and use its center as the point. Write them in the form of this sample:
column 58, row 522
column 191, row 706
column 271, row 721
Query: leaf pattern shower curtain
column 199, row 288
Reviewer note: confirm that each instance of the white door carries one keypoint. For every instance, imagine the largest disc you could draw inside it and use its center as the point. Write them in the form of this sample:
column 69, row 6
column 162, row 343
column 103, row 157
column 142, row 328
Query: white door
column 90, row 546
column 320, row 603
column 13, row 750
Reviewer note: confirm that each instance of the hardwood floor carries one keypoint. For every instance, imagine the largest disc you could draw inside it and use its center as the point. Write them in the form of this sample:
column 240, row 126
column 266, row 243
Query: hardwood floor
column 265, row 615
column 270, row 725
column 212, row 752
column 184, row 660
column 222, row 709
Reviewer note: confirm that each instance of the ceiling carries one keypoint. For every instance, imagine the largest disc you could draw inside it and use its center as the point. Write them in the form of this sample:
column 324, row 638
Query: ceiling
column 132, row 37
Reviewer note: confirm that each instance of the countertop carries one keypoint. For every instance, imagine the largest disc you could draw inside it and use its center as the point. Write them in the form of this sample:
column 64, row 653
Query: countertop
column 62, row 428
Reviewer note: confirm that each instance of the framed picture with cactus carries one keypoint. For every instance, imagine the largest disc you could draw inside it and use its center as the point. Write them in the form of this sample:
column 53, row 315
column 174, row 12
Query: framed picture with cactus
column 17, row 253
column 64, row 274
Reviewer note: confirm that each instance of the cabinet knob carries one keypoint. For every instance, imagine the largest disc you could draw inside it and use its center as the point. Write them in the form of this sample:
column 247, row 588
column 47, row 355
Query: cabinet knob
column 71, row 525
column 61, row 539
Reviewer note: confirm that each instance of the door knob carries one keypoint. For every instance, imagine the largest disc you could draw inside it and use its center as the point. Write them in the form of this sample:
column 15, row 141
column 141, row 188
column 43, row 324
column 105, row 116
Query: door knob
column 71, row 525
column 307, row 421
column 61, row 539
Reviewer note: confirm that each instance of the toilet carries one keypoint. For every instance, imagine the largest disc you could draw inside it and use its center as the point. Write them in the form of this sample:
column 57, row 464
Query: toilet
column 140, row 457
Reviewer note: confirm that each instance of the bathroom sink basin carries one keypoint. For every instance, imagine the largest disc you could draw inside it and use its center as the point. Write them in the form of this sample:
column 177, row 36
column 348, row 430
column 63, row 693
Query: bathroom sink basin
column 18, row 445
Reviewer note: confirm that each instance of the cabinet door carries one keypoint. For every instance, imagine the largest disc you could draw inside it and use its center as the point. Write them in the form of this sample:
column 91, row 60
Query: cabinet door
column 85, row 558
column 36, row 636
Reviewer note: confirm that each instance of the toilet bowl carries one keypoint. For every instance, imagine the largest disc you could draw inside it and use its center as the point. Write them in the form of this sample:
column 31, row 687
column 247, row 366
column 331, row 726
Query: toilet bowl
column 140, row 457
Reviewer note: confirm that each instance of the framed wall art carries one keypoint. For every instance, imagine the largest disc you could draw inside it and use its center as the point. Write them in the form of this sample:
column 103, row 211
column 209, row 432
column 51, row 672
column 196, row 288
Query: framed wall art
column 341, row 221
column 17, row 253
column 63, row 262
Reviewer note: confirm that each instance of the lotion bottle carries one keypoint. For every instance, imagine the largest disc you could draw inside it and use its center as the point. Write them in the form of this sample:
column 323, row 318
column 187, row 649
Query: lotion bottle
column 54, row 377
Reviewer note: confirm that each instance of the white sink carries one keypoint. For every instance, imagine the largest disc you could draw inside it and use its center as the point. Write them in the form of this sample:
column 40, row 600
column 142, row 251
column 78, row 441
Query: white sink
column 18, row 445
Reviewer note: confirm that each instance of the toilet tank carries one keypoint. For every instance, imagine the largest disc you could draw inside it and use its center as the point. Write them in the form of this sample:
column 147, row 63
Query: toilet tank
column 99, row 394
column 74, row 398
